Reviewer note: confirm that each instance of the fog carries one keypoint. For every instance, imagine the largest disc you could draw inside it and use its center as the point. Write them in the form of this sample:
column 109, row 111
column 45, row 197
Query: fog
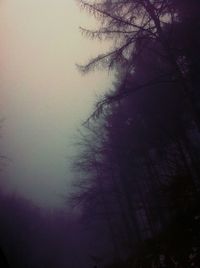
column 44, row 99
column 136, row 178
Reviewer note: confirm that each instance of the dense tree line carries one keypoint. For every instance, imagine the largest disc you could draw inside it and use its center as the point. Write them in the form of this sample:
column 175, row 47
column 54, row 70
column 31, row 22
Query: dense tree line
column 139, row 164
column 32, row 237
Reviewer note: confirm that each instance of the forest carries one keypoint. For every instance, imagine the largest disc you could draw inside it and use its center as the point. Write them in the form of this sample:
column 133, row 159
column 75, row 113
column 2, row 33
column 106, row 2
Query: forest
column 139, row 161
column 135, row 195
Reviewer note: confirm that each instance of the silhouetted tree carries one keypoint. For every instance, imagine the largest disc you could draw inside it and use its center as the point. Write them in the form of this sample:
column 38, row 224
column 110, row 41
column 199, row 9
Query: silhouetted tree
column 145, row 153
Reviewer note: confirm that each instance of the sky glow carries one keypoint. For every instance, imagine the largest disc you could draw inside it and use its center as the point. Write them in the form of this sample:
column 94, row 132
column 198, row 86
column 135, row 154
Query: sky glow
column 43, row 97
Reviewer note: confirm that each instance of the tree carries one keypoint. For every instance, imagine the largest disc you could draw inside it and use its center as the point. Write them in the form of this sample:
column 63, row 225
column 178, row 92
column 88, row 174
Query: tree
column 132, row 25
column 146, row 155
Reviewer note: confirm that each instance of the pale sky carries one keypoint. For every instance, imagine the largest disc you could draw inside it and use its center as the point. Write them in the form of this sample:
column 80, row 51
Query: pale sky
column 44, row 98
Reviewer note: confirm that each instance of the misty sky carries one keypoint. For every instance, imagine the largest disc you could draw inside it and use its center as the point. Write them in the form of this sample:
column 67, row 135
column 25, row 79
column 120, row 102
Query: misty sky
column 43, row 97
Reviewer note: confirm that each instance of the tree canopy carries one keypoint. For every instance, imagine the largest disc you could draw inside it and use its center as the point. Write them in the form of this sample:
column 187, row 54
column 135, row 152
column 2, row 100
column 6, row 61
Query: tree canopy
column 139, row 166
